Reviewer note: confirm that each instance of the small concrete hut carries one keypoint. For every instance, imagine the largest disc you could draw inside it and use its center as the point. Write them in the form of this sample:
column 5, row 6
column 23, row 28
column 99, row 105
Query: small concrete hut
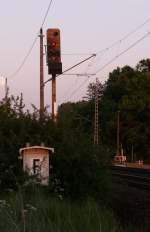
column 36, row 161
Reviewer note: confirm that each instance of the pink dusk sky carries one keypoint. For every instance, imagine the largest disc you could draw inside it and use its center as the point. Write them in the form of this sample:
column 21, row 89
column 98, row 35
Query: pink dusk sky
column 87, row 26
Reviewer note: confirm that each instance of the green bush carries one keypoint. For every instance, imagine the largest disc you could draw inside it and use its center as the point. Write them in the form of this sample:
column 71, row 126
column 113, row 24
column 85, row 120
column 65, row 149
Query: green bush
column 80, row 170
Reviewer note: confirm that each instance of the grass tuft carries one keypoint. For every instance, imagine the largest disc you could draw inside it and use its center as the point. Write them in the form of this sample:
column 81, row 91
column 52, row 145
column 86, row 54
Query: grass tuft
column 40, row 212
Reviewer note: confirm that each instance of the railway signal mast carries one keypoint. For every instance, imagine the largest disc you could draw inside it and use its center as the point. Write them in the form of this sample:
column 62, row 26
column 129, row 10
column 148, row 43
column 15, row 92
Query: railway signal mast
column 54, row 62
column 41, row 75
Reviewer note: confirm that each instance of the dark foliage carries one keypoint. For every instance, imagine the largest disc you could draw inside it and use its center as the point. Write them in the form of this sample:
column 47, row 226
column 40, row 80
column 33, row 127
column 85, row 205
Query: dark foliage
column 127, row 90
column 78, row 168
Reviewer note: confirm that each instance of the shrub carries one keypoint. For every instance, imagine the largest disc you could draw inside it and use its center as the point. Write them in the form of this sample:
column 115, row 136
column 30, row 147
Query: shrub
column 81, row 171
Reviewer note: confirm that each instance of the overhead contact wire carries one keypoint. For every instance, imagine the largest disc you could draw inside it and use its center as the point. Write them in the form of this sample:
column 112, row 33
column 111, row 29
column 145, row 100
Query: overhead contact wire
column 124, row 37
column 123, row 52
column 113, row 59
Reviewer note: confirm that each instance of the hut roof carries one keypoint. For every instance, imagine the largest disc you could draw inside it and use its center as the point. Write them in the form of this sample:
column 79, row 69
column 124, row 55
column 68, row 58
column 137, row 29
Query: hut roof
column 35, row 147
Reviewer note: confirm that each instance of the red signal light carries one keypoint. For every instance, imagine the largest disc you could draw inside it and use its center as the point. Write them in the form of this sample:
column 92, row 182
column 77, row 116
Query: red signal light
column 53, row 51
column 53, row 44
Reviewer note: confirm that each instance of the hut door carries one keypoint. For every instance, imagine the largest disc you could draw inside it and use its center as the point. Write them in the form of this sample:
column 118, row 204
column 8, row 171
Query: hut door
column 36, row 166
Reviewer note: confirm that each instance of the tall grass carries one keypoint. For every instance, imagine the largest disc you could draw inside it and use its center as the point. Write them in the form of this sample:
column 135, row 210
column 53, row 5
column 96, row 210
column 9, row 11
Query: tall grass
column 41, row 213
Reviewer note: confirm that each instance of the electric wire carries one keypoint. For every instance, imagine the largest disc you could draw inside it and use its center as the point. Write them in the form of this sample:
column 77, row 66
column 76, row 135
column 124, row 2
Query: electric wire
column 123, row 52
column 24, row 60
column 77, row 54
column 81, row 62
column 80, row 86
column 103, row 50
column 114, row 43
column 124, row 37
column 113, row 59
column 46, row 14
column 32, row 45
column 77, row 74
column 118, row 42
column 76, row 90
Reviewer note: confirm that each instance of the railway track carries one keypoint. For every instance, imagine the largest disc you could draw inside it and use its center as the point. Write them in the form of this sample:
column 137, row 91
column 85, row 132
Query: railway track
column 130, row 196
column 133, row 177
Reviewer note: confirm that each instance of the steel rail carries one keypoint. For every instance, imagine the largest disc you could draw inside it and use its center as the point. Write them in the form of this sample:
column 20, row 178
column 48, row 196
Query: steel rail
column 133, row 178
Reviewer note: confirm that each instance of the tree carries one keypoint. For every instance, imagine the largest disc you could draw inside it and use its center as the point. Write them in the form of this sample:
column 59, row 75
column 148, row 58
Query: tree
column 143, row 66
column 76, row 117
column 127, row 90
column 17, row 127
column 91, row 90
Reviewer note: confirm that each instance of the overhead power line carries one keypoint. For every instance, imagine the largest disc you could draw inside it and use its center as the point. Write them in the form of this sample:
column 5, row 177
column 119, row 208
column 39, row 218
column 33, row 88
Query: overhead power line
column 93, row 55
column 46, row 14
column 76, row 54
column 32, row 45
column 24, row 60
column 124, row 37
column 78, row 88
column 79, row 74
column 103, row 50
column 120, row 40
column 123, row 52
column 116, row 42
column 113, row 59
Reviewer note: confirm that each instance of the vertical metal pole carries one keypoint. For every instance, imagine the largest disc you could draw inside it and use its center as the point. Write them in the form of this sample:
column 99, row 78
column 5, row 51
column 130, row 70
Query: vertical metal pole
column 54, row 109
column 41, row 75
column 6, row 89
column 118, row 133
column 132, row 154
column 96, row 124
